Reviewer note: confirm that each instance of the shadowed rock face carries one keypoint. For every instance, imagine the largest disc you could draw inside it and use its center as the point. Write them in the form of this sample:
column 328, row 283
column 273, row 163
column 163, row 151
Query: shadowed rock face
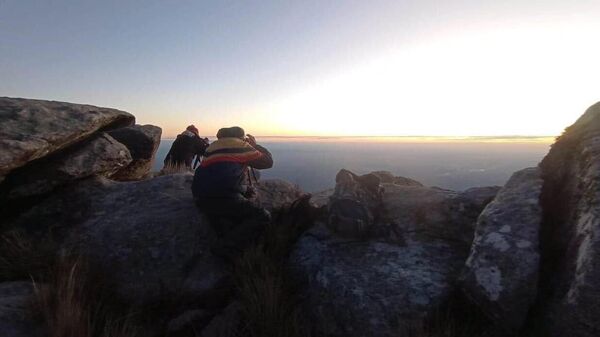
column 15, row 311
column 147, row 234
column 501, row 273
column 383, row 282
column 32, row 129
column 424, row 213
column 371, row 288
column 569, row 300
column 102, row 156
column 150, row 236
column 142, row 141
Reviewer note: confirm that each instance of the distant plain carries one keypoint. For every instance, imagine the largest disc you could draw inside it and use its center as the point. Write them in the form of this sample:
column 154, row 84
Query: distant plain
column 455, row 163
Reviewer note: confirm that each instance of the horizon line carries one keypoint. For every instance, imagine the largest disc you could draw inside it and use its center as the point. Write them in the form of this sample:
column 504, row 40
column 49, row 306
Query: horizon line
column 419, row 136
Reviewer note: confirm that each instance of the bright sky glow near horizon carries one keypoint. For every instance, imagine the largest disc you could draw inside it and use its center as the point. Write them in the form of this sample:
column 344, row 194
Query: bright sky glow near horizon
column 312, row 68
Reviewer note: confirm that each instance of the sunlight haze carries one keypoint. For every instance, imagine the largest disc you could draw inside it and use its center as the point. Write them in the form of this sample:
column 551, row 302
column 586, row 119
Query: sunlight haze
column 309, row 68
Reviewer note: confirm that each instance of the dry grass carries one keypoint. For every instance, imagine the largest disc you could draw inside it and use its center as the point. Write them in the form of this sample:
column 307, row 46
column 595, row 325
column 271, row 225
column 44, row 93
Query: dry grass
column 23, row 258
column 270, row 307
column 71, row 299
column 173, row 169
column 75, row 302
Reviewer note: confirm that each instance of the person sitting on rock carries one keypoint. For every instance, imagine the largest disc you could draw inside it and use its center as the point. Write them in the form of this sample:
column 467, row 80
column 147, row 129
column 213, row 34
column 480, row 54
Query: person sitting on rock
column 187, row 146
column 222, row 188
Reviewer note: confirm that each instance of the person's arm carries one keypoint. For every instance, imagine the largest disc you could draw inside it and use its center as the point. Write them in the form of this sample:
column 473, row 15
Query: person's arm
column 265, row 161
column 200, row 146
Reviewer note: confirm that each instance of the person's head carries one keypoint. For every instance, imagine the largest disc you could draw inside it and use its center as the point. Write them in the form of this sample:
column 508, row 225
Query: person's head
column 232, row 132
column 193, row 129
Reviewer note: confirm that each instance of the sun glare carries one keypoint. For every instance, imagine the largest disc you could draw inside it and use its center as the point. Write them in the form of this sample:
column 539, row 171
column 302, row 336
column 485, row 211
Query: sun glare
column 509, row 82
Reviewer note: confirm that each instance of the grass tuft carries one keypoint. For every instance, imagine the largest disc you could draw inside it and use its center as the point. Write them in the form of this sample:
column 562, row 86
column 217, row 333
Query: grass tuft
column 268, row 296
column 22, row 258
column 171, row 168
column 75, row 302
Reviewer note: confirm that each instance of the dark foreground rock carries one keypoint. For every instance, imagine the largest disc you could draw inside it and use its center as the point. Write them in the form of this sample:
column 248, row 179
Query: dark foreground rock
column 389, row 279
column 501, row 274
column 371, row 288
column 150, row 236
column 147, row 234
column 569, row 300
column 33, row 129
column 142, row 141
column 16, row 302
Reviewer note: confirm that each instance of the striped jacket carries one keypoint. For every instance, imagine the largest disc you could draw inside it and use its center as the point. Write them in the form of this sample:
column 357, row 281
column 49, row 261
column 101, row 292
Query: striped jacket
column 223, row 171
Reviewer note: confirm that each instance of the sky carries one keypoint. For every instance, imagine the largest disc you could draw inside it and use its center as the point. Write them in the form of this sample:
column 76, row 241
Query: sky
column 312, row 68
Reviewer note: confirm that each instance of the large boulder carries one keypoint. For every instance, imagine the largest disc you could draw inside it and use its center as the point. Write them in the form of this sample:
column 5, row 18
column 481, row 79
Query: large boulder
column 501, row 273
column 16, row 314
column 399, row 273
column 32, row 129
column 569, row 300
column 102, row 155
column 148, row 234
column 142, row 142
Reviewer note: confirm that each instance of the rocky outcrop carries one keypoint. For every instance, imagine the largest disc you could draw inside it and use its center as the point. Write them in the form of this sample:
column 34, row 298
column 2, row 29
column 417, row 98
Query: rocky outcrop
column 400, row 273
column 142, row 141
column 101, row 156
column 16, row 302
column 569, row 294
column 385, row 258
column 148, row 234
column 33, row 129
column 355, row 204
column 321, row 198
column 501, row 273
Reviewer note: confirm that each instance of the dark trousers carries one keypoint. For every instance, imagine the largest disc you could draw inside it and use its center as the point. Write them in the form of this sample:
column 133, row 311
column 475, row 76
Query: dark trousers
column 237, row 221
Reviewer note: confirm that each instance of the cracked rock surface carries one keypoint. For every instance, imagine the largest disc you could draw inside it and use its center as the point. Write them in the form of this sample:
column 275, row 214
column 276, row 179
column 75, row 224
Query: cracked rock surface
column 501, row 273
column 401, row 272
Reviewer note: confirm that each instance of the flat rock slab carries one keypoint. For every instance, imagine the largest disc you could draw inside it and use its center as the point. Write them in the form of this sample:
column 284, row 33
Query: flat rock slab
column 32, row 129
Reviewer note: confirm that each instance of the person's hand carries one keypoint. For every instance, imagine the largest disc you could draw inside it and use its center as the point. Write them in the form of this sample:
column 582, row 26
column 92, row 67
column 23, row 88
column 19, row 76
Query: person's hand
column 251, row 140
